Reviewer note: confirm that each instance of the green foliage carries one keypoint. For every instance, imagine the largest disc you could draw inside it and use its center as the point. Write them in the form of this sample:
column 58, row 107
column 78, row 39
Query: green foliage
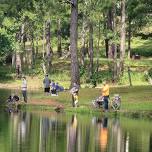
column 5, row 45
column 141, row 47
column 137, row 78
column 6, row 74
column 142, row 52
column 150, row 72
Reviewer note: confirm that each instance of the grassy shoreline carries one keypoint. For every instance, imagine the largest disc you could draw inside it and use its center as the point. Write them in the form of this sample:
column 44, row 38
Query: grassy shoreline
column 136, row 102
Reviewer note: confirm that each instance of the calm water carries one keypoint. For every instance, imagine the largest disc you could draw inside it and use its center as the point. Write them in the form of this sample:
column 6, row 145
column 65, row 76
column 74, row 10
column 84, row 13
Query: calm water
column 51, row 132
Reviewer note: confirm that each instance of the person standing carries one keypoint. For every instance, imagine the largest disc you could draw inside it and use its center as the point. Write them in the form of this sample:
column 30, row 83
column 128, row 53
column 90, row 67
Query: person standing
column 46, row 83
column 74, row 91
column 105, row 94
column 24, row 89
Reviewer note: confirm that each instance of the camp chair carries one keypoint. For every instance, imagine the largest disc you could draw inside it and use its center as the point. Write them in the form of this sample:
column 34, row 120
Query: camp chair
column 98, row 102
column 116, row 102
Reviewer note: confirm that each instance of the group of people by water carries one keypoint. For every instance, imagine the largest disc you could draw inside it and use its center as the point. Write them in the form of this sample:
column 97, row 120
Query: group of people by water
column 50, row 87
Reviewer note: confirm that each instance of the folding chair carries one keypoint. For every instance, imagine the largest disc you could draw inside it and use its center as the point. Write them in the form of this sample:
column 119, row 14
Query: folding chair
column 116, row 102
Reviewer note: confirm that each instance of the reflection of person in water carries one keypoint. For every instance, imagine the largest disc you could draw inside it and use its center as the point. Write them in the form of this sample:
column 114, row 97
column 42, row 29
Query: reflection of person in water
column 72, row 135
column 103, row 137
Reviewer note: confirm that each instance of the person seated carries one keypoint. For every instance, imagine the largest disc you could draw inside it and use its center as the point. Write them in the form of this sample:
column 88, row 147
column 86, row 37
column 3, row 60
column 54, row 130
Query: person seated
column 13, row 98
column 53, row 88
column 58, row 87
column 16, row 98
column 11, row 103
column 98, row 103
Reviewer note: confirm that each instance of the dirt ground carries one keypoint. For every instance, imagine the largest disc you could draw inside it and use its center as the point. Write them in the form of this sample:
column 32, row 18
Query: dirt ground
column 48, row 102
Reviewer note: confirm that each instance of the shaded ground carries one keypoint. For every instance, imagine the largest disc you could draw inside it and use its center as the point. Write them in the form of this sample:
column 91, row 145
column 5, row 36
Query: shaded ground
column 45, row 102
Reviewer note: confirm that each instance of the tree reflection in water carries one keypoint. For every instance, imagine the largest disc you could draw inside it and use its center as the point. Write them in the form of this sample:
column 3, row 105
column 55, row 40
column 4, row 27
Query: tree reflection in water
column 34, row 132
column 72, row 135
column 102, row 124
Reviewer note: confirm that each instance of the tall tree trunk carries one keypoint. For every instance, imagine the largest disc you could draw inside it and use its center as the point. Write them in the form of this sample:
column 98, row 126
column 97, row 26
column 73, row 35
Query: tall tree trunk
column 59, row 49
column 114, row 47
column 73, row 43
column 110, row 27
column 91, row 48
column 13, row 59
column 99, row 35
column 18, row 64
column 44, row 52
column 107, row 46
column 129, row 40
column 83, row 49
column 123, row 35
column 48, row 45
column 37, row 47
column 20, row 39
column 106, row 39
column 33, row 51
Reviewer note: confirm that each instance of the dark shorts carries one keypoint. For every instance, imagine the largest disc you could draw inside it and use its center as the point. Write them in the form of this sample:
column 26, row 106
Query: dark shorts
column 46, row 89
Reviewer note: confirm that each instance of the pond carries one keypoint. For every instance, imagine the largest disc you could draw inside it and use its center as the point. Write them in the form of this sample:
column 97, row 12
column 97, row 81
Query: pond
column 52, row 132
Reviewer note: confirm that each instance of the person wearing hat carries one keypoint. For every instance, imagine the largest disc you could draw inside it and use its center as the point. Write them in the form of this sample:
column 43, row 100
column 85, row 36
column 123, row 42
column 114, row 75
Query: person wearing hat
column 24, row 88
column 105, row 95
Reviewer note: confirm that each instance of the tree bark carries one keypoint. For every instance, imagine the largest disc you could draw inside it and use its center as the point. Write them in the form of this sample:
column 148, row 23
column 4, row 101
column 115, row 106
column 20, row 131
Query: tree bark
column 48, row 46
column 33, row 51
column 59, row 49
column 73, row 43
column 37, row 47
column 99, row 35
column 122, row 36
column 110, row 26
column 44, row 52
column 13, row 59
column 107, row 47
column 129, row 40
column 91, row 48
column 20, row 39
column 83, row 49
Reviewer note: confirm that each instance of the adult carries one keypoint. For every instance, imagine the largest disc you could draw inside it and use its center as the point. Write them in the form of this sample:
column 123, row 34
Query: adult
column 46, row 83
column 24, row 89
column 105, row 94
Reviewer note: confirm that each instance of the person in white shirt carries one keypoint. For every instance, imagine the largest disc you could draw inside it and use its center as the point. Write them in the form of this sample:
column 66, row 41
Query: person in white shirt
column 24, row 88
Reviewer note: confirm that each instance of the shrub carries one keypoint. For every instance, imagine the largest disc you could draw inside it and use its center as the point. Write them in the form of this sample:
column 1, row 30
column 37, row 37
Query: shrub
column 150, row 72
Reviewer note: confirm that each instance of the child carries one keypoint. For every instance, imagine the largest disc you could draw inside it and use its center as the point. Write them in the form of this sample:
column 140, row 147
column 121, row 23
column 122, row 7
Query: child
column 74, row 91
column 75, row 97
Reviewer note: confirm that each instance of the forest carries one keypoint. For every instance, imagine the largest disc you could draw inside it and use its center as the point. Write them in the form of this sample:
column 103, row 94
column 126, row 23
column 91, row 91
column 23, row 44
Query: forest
column 82, row 41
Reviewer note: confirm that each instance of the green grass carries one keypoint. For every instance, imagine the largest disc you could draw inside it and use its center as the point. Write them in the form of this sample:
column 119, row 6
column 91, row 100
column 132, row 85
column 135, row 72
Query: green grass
column 139, row 63
column 137, row 98
column 142, row 47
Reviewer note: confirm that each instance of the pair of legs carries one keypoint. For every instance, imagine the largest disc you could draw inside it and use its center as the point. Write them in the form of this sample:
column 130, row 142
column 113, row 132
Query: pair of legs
column 24, row 93
column 75, row 100
column 47, row 90
column 105, row 103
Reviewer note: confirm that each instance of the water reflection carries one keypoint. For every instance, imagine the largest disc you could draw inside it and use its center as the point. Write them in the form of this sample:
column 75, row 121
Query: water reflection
column 35, row 132
column 103, row 132
column 72, row 130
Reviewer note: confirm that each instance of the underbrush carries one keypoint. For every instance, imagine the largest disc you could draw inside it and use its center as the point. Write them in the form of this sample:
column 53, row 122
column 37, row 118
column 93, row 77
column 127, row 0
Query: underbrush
column 142, row 47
